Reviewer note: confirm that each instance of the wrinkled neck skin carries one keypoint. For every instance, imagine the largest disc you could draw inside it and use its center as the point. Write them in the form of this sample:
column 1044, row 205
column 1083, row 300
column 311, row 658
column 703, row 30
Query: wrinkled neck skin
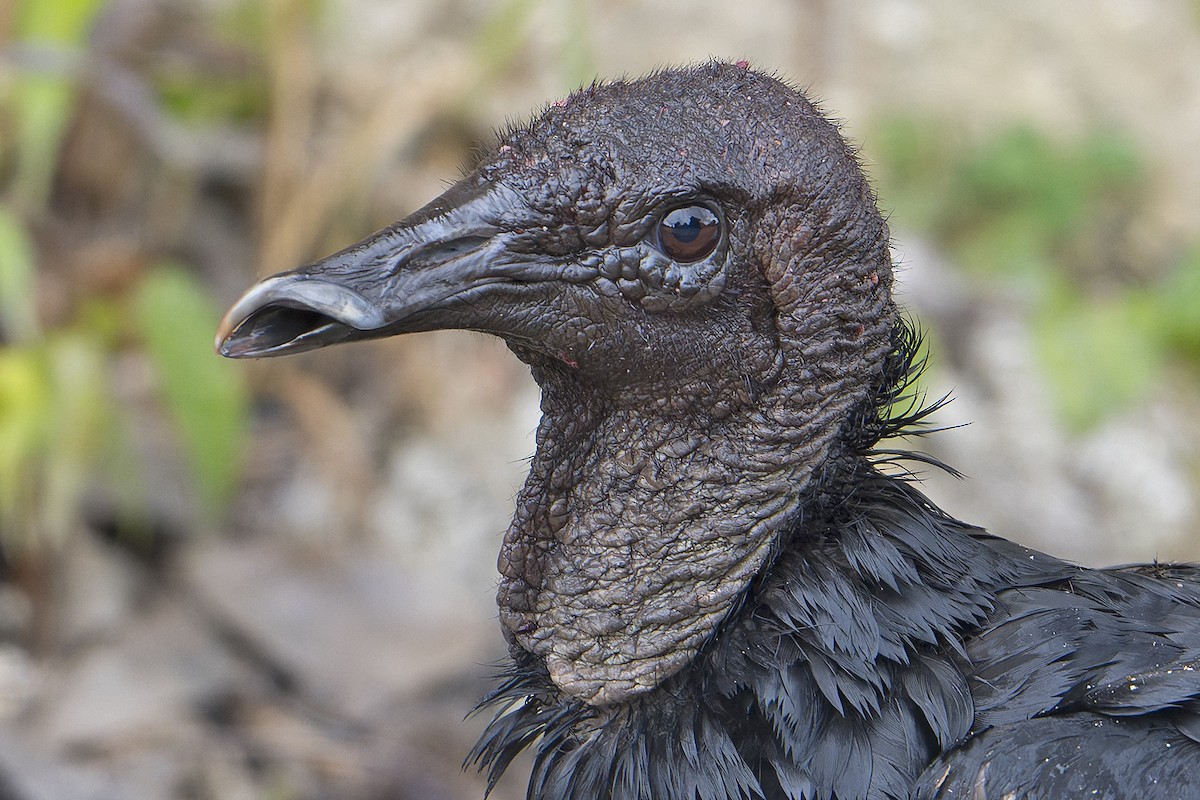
column 637, row 531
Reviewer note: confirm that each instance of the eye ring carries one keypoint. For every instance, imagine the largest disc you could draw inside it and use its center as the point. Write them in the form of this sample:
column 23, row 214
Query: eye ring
column 689, row 233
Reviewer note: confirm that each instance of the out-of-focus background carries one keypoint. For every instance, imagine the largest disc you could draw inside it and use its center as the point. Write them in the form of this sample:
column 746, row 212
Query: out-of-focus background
column 274, row 580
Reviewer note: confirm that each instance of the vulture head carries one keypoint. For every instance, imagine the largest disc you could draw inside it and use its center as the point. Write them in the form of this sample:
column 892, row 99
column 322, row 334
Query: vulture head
column 693, row 267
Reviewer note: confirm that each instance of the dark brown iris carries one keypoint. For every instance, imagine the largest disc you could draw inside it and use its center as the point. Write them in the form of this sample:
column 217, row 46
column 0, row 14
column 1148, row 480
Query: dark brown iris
column 689, row 233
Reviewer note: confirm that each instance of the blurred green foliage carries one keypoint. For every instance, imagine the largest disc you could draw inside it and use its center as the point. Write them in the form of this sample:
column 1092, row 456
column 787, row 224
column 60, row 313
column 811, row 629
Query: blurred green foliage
column 41, row 103
column 61, row 415
column 506, row 32
column 1021, row 204
column 53, row 415
column 193, row 95
column 175, row 318
column 232, row 92
column 18, row 311
column 53, row 405
column 1178, row 302
column 501, row 37
column 51, row 400
column 1017, row 206
column 1045, row 217
column 1099, row 354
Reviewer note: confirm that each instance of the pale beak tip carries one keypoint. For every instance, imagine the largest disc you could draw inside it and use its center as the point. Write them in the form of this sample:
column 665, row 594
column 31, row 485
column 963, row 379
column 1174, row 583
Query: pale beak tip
column 225, row 329
column 219, row 340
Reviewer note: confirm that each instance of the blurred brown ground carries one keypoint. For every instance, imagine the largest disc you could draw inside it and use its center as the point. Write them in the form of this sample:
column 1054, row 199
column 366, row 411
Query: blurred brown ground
column 327, row 638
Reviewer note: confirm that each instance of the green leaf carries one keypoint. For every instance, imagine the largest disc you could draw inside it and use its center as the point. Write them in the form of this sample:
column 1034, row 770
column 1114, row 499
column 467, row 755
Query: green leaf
column 59, row 21
column 42, row 103
column 204, row 393
column 80, row 411
column 42, row 106
column 18, row 302
column 25, row 418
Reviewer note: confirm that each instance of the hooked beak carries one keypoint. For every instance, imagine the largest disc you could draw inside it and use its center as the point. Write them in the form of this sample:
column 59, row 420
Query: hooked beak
column 395, row 281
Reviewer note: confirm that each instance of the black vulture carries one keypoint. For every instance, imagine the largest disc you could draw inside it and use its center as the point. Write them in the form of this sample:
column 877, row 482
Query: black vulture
column 712, row 587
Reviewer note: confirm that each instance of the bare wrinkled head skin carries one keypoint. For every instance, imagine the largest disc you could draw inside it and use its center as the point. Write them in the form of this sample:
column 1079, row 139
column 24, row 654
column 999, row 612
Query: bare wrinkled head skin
column 688, row 403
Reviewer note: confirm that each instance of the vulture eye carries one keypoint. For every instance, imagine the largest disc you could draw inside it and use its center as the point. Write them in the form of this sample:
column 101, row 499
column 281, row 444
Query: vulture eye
column 689, row 233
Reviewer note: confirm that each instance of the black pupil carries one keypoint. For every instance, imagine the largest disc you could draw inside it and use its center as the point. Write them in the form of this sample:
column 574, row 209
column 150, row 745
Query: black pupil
column 689, row 233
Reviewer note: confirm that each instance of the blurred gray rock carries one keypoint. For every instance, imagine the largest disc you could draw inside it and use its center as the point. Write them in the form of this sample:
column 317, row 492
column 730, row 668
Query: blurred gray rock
column 98, row 584
column 145, row 685
column 355, row 631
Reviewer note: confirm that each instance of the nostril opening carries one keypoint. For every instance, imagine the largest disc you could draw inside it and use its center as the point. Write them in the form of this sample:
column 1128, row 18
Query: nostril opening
column 442, row 252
